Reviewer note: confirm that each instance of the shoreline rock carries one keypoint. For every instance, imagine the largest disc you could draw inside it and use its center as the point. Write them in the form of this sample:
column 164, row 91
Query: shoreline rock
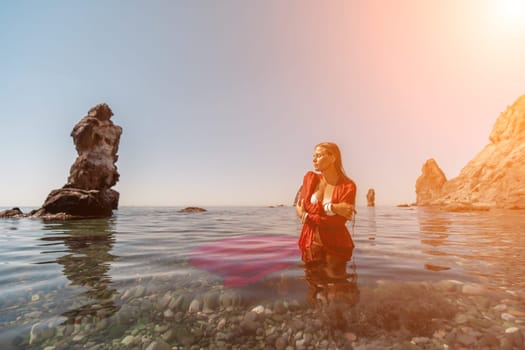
column 492, row 179
column 430, row 183
column 11, row 213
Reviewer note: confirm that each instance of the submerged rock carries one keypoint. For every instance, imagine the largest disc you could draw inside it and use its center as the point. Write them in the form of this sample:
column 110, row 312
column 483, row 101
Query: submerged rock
column 492, row 179
column 88, row 190
column 403, row 205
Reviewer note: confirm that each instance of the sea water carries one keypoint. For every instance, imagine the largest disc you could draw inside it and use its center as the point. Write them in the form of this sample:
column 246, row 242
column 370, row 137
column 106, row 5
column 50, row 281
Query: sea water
column 130, row 280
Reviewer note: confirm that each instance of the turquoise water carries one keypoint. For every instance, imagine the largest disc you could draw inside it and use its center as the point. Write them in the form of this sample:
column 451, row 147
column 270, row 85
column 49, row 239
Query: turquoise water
column 91, row 283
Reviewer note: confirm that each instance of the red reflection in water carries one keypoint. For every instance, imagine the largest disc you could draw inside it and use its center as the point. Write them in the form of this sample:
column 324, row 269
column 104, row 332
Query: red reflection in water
column 244, row 260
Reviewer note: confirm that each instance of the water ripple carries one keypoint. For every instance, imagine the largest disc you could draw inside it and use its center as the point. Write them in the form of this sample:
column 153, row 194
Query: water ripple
column 83, row 263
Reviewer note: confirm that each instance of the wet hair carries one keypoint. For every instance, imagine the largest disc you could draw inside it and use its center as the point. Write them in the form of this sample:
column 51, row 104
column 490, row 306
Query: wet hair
column 333, row 149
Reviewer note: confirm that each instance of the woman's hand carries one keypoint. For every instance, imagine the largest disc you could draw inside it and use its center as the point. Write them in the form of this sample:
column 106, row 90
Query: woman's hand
column 344, row 209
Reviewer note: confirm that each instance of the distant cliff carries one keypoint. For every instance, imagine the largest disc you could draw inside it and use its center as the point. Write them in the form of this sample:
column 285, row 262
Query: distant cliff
column 495, row 178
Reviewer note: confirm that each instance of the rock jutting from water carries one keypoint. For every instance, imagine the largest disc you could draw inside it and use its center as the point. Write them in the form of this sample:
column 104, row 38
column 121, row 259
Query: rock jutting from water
column 492, row 179
column 192, row 210
column 11, row 213
column 430, row 183
column 88, row 192
column 371, row 197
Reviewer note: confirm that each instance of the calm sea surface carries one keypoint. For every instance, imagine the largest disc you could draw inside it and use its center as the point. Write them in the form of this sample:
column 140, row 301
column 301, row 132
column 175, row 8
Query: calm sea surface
column 88, row 273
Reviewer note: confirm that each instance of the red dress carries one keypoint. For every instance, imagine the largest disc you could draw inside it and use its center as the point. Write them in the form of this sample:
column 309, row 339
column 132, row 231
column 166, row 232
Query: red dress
column 334, row 235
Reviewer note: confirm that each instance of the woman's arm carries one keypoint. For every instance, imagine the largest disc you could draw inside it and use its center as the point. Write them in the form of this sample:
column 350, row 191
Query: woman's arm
column 346, row 205
column 303, row 205
column 315, row 214
column 344, row 209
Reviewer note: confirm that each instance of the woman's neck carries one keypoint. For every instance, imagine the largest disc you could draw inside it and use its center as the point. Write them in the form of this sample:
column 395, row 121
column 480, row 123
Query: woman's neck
column 331, row 176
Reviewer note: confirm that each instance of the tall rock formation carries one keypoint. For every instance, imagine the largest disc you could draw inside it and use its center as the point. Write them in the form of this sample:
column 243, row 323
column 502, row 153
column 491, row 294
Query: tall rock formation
column 495, row 177
column 88, row 190
column 371, row 197
column 429, row 184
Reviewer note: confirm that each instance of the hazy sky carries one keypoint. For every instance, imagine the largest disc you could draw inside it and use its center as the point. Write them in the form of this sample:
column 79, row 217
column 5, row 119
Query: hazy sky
column 222, row 102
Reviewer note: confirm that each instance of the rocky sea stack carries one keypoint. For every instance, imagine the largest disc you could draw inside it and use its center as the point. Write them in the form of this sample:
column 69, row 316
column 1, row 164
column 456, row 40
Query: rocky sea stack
column 371, row 198
column 88, row 192
column 493, row 179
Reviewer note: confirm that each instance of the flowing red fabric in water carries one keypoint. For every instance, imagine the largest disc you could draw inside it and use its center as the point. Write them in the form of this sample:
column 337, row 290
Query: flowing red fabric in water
column 245, row 260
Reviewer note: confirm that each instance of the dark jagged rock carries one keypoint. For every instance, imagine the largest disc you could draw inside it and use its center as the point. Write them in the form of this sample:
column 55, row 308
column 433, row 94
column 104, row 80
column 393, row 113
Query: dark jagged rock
column 192, row 210
column 88, row 192
column 78, row 202
column 96, row 140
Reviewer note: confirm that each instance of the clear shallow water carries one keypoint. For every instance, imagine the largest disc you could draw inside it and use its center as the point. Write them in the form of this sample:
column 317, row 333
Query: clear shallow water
column 100, row 274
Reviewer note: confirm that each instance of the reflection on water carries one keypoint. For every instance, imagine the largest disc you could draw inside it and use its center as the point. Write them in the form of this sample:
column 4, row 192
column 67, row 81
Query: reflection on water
column 433, row 229
column 232, row 277
column 370, row 214
column 86, row 262
column 324, row 290
column 486, row 246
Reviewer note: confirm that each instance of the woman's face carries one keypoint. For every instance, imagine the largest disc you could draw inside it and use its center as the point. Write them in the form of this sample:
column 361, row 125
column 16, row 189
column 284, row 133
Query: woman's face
column 322, row 159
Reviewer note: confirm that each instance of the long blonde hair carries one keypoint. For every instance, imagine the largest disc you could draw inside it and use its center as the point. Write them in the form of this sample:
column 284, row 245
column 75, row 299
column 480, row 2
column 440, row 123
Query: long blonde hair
column 333, row 149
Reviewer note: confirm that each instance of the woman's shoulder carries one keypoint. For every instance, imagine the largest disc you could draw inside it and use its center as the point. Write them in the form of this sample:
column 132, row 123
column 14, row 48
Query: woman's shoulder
column 348, row 183
column 311, row 175
column 346, row 191
column 310, row 179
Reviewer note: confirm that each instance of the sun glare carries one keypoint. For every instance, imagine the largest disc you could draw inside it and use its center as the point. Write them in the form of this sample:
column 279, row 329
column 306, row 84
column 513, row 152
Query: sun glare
column 512, row 11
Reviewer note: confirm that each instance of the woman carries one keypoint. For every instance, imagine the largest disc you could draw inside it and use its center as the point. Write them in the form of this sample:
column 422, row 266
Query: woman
column 326, row 201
